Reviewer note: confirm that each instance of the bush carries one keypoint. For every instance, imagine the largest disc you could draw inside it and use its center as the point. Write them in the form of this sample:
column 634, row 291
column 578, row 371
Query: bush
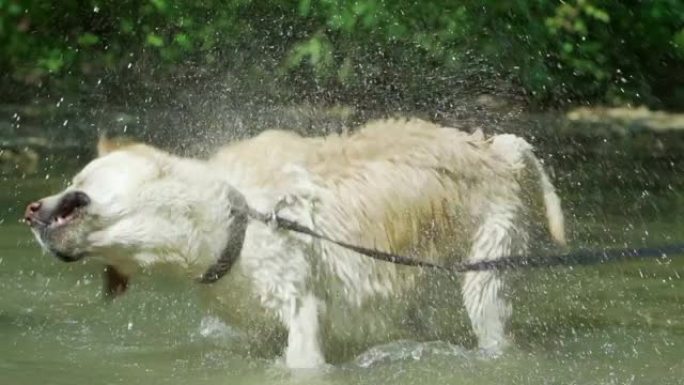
column 558, row 52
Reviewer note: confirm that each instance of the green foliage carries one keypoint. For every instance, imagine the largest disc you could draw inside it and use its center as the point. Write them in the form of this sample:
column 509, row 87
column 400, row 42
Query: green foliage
column 575, row 50
column 40, row 38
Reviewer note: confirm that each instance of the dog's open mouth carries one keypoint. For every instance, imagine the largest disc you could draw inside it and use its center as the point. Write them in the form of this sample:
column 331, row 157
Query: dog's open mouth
column 51, row 224
column 56, row 221
column 68, row 209
column 62, row 219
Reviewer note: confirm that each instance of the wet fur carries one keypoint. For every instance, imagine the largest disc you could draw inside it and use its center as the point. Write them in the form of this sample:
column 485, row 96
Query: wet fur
column 403, row 186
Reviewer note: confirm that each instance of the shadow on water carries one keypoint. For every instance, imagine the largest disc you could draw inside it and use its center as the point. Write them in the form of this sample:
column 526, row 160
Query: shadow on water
column 613, row 324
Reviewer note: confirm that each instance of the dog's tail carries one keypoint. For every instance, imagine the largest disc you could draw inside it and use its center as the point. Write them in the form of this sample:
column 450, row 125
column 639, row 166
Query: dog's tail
column 520, row 154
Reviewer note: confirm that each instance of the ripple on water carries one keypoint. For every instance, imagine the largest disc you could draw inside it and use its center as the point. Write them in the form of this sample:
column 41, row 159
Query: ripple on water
column 409, row 350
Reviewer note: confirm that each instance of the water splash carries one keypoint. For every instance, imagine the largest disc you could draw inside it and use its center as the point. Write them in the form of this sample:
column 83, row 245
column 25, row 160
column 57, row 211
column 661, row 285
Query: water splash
column 408, row 350
column 213, row 327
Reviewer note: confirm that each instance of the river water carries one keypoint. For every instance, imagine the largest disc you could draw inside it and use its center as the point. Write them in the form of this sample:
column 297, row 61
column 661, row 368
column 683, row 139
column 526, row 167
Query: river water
column 621, row 323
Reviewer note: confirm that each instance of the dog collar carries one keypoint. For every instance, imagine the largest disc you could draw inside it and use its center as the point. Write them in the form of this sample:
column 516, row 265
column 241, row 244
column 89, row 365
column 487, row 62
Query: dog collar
column 237, row 227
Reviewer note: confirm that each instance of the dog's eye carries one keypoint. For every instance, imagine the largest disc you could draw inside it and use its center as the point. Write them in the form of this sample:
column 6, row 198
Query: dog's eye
column 70, row 202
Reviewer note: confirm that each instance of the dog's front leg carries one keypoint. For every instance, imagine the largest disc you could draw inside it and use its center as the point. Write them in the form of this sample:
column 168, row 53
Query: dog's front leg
column 114, row 282
column 303, row 340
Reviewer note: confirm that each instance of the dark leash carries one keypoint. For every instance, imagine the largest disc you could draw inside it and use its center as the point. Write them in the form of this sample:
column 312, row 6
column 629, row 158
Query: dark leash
column 579, row 257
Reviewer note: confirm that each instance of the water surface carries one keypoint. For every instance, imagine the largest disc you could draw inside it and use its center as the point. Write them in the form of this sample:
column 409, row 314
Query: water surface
column 614, row 324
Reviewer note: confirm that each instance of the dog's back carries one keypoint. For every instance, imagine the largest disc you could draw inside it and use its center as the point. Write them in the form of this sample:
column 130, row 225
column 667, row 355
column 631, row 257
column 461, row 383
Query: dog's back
column 402, row 185
column 409, row 187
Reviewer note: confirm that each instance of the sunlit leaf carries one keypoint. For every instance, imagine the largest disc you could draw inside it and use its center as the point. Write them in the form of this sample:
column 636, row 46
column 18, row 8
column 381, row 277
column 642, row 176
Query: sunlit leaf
column 160, row 5
column 88, row 39
column 304, row 7
column 14, row 9
column 154, row 40
column 678, row 42
column 126, row 25
column 183, row 40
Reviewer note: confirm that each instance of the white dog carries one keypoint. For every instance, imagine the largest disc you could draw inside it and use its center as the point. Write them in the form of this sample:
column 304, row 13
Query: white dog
column 404, row 186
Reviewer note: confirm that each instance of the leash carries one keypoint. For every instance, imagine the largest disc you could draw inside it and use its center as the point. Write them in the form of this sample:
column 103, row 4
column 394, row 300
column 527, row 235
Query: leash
column 579, row 257
column 286, row 224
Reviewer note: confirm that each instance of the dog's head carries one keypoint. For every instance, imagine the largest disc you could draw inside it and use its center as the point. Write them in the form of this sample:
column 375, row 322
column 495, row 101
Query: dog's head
column 134, row 199
column 102, row 193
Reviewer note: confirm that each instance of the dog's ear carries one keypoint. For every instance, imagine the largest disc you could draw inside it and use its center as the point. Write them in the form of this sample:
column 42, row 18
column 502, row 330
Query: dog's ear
column 107, row 144
column 114, row 283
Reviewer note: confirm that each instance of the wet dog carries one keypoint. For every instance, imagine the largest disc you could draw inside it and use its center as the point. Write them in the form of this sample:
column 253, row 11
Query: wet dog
column 405, row 186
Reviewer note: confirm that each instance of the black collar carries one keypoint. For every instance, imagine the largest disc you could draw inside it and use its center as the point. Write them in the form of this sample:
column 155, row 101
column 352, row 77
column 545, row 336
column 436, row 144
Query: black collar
column 237, row 227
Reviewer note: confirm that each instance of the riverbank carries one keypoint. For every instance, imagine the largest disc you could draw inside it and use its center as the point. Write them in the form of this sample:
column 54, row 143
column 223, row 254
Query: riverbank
column 63, row 129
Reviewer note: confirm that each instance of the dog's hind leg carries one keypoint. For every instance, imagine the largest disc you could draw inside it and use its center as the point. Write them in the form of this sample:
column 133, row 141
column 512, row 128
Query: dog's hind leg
column 484, row 291
column 303, row 340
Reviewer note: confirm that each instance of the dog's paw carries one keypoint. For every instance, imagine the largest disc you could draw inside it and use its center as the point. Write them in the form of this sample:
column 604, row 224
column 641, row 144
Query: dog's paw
column 494, row 350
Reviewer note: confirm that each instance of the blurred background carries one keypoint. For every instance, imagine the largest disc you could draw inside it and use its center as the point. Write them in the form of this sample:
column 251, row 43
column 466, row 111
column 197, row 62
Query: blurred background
column 597, row 83
column 597, row 86
column 97, row 58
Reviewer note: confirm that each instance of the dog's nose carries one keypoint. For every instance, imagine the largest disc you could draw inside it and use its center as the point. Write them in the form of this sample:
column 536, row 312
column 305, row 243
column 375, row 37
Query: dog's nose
column 31, row 210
